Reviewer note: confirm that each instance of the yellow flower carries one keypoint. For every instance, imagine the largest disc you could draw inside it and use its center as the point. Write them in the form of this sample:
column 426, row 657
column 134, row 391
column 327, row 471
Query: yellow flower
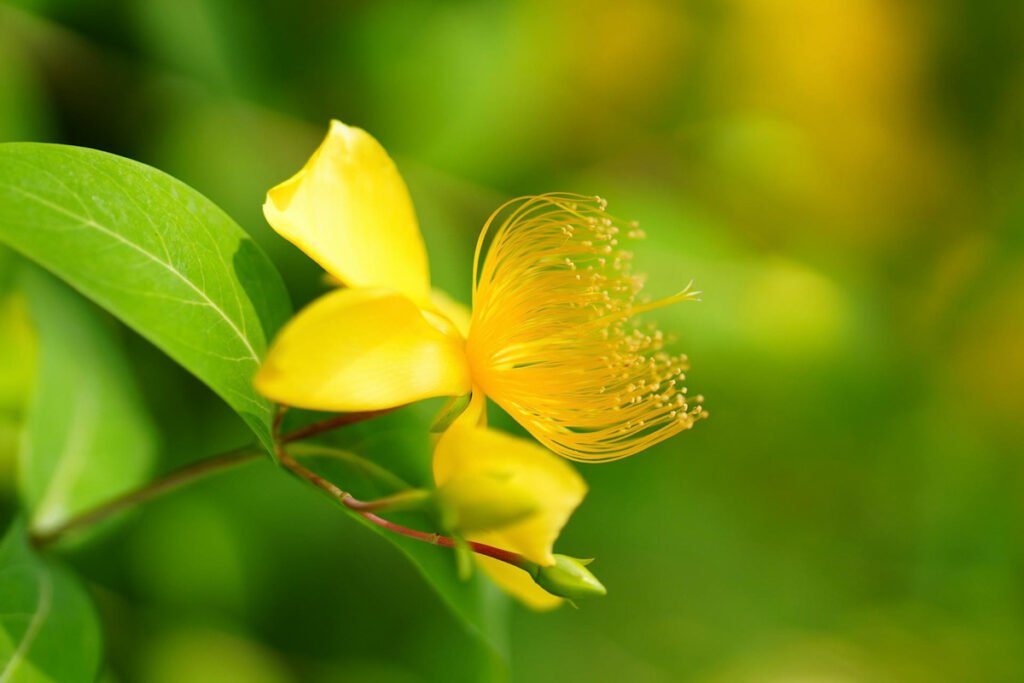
column 552, row 338
column 485, row 475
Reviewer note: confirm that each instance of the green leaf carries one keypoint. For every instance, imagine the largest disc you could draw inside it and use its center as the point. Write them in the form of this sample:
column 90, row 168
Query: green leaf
column 386, row 455
column 8, row 263
column 17, row 347
column 156, row 254
column 87, row 434
column 480, row 605
column 17, row 363
column 48, row 629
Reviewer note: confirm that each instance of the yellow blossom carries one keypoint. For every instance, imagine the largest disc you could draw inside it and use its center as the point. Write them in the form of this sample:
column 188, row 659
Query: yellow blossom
column 552, row 338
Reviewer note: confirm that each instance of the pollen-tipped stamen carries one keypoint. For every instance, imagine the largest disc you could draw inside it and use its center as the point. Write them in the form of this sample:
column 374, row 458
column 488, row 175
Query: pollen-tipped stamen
column 554, row 337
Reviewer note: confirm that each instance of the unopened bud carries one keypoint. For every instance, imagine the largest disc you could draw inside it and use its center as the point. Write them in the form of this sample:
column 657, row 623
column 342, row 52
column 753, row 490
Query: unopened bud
column 569, row 578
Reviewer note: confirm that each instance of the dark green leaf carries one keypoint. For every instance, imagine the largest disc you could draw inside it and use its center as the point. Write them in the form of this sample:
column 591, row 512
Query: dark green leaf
column 48, row 629
column 476, row 601
column 156, row 254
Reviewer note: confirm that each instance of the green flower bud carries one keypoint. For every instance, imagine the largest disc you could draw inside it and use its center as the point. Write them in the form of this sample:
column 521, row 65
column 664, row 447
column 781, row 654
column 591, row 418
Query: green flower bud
column 569, row 578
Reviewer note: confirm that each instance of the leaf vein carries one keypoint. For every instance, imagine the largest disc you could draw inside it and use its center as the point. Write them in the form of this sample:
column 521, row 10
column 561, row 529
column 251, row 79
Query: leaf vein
column 89, row 222
column 42, row 610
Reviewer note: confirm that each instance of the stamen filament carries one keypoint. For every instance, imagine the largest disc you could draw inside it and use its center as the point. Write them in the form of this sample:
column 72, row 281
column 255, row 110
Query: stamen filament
column 554, row 338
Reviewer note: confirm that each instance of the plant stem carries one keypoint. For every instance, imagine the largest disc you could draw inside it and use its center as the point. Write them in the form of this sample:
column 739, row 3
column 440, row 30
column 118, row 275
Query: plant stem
column 410, row 499
column 330, row 423
column 302, row 451
column 153, row 489
column 188, row 474
column 363, row 508
column 230, row 459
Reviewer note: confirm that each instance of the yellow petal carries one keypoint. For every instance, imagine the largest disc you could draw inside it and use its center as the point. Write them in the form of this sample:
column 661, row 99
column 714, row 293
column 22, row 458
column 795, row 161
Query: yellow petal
column 457, row 313
column 484, row 499
column 518, row 583
column 350, row 211
column 471, row 453
column 362, row 349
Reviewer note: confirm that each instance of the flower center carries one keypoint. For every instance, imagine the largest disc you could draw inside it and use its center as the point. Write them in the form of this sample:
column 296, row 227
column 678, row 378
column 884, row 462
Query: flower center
column 554, row 338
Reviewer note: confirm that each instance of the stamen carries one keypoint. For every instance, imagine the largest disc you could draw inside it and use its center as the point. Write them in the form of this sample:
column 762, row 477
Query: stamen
column 554, row 338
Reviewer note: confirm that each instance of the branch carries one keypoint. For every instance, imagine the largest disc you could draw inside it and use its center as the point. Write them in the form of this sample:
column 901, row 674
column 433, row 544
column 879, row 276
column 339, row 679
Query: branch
column 363, row 508
column 330, row 423
column 224, row 461
column 169, row 482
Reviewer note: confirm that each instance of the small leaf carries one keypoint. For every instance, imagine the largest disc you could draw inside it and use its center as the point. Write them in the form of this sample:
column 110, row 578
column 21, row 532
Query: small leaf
column 87, row 435
column 156, row 254
column 48, row 629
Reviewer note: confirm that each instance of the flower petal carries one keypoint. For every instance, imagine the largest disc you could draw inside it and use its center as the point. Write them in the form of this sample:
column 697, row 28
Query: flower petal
column 349, row 210
column 517, row 582
column 456, row 312
column 473, row 453
column 362, row 349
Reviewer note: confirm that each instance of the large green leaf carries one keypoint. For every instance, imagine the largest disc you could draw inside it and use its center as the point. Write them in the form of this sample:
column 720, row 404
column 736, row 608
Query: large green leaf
column 477, row 603
column 155, row 253
column 48, row 629
column 480, row 605
column 87, row 434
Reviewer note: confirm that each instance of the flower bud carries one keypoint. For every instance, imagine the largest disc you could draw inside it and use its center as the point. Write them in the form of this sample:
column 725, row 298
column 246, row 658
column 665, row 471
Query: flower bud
column 569, row 578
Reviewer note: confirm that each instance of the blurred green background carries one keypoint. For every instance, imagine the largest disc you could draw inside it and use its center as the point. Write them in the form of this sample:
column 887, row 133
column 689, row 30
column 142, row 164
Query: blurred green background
column 843, row 179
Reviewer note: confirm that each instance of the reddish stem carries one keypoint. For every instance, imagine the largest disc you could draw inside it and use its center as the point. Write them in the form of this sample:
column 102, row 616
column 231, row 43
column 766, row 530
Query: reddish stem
column 342, row 420
column 363, row 508
column 230, row 459
column 227, row 460
column 506, row 556
column 153, row 489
